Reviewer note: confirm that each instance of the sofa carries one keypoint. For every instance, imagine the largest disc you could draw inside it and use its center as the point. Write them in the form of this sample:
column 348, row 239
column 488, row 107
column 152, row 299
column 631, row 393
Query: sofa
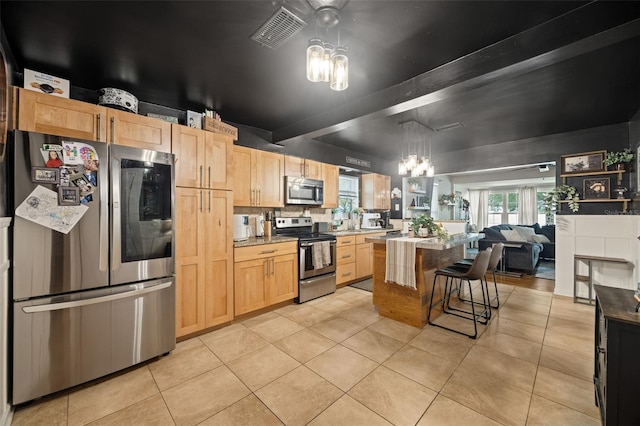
column 530, row 243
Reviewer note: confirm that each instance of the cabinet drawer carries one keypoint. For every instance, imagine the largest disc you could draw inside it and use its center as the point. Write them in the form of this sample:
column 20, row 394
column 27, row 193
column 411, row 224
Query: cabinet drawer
column 264, row 250
column 346, row 241
column 346, row 254
column 345, row 273
column 360, row 239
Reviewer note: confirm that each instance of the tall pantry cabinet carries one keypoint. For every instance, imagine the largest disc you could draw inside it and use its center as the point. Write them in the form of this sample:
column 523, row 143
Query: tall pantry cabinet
column 204, row 233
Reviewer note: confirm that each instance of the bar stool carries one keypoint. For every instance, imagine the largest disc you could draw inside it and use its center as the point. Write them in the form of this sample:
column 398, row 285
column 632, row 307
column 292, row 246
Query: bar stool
column 494, row 261
column 476, row 272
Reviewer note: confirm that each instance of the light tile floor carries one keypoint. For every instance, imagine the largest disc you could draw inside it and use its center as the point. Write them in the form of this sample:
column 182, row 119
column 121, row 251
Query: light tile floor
column 334, row 361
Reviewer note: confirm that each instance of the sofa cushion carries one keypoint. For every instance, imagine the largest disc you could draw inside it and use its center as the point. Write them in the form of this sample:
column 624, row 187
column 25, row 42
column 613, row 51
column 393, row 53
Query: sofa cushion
column 493, row 234
column 526, row 233
column 541, row 239
column 512, row 235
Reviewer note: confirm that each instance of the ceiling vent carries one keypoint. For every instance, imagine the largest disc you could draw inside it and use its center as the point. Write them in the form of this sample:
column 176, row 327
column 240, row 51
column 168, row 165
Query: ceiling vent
column 280, row 27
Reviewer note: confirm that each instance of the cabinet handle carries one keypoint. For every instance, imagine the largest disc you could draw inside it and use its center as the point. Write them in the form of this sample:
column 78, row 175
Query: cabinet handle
column 99, row 132
column 209, row 176
column 347, row 274
column 201, row 176
column 268, row 272
column 113, row 129
column 273, row 266
column 259, row 197
column 253, row 196
column 268, row 251
column 209, row 201
column 346, row 256
column 201, row 197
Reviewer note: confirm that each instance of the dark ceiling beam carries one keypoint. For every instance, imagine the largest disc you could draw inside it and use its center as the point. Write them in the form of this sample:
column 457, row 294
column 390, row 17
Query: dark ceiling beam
column 565, row 37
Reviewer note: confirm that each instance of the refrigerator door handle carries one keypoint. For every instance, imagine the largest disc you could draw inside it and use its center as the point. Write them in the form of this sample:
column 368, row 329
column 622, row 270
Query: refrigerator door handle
column 92, row 301
column 115, row 214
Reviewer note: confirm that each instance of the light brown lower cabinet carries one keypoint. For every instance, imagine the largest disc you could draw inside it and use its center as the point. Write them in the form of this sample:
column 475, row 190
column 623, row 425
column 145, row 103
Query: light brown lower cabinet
column 265, row 275
column 354, row 257
column 204, row 259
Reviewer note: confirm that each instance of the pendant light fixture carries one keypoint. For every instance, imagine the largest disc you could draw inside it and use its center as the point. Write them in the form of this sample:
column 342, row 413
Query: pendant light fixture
column 416, row 163
column 326, row 63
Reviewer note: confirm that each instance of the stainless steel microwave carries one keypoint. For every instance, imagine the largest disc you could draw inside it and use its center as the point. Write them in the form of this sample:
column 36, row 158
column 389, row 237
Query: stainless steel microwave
column 302, row 191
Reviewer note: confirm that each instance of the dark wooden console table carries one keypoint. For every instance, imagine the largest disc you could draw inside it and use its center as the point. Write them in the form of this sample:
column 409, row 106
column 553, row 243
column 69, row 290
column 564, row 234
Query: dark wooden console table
column 617, row 347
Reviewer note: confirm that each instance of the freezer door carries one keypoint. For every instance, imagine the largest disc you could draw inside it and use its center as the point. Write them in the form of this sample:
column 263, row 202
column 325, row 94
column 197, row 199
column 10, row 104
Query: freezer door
column 142, row 190
column 68, row 340
column 46, row 261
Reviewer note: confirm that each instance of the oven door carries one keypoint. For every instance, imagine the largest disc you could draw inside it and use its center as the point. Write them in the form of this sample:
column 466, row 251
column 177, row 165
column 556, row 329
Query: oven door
column 309, row 268
column 142, row 245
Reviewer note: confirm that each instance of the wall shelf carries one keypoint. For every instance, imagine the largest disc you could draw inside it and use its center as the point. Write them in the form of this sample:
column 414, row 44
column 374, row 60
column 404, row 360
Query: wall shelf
column 605, row 172
column 624, row 202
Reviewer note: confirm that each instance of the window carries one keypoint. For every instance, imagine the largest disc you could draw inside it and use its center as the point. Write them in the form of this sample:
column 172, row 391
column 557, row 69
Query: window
column 348, row 193
column 503, row 207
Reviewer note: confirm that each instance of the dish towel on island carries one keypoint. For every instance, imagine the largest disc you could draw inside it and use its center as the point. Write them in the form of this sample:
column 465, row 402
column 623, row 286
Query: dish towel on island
column 401, row 261
column 321, row 254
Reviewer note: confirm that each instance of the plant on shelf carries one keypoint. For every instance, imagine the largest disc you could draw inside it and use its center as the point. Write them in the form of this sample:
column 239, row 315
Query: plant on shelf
column 618, row 157
column 447, row 199
column 429, row 226
column 562, row 192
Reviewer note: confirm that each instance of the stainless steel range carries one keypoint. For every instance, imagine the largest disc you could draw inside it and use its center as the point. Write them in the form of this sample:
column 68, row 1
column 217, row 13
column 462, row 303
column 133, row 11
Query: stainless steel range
column 316, row 255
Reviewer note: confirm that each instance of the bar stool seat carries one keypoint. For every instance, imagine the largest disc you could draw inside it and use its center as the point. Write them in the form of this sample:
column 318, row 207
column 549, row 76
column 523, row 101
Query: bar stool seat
column 494, row 261
column 476, row 272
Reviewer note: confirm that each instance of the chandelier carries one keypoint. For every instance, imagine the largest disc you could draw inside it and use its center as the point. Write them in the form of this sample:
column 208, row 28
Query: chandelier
column 417, row 162
column 326, row 62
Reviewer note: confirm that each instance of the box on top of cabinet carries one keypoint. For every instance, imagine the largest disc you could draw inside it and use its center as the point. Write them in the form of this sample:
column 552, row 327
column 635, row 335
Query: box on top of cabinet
column 45, row 83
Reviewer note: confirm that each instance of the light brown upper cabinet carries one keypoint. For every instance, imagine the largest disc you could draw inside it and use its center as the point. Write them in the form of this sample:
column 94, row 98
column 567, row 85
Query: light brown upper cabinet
column 376, row 191
column 258, row 178
column 203, row 159
column 42, row 113
column 331, row 178
column 138, row 131
column 300, row 167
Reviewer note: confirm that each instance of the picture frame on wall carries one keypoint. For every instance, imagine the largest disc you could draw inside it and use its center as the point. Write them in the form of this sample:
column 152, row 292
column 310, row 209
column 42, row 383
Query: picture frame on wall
column 596, row 189
column 194, row 119
column 585, row 162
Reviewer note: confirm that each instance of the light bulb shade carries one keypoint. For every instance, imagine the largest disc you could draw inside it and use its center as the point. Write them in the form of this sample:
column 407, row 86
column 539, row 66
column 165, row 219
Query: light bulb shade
column 415, row 172
column 315, row 54
column 430, row 171
column 339, row 69
column 402, row 168
column 326, row 62
column 412, row 161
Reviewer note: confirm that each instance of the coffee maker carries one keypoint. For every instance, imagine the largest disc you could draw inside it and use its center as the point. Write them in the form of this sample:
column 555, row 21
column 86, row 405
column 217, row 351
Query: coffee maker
column 371, row 221
column 384, row 218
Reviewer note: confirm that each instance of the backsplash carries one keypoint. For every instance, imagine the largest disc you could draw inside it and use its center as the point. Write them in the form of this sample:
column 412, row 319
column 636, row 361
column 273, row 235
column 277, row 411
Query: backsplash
column 316, row 214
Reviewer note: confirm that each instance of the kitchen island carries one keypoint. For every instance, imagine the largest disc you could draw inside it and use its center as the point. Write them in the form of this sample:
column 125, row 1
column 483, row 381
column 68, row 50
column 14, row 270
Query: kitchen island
column 404, row 303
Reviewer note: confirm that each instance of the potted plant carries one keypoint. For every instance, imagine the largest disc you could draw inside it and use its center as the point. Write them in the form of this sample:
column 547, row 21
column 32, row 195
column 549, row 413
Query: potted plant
column 424, row 226
column 618, row 158
column 562, row 192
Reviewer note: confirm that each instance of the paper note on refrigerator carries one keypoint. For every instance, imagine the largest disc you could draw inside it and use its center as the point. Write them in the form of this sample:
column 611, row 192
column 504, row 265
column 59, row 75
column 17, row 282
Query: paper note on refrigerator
column 41, row 207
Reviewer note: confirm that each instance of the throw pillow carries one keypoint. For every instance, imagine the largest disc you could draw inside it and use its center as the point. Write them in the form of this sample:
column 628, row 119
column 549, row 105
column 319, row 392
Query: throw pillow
column 512, row 235
column 527, row 233
column 540, row 239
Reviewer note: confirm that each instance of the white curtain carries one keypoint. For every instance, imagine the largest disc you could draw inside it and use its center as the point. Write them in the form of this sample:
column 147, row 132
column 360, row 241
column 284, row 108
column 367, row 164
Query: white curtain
column 527, row 205
column 479, row 208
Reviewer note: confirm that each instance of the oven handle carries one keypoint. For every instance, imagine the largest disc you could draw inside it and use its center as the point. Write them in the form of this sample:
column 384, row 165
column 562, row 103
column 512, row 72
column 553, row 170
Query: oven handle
column 331, row 242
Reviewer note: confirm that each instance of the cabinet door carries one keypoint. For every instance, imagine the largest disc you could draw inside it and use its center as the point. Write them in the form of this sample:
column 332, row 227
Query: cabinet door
column 283, row 284
column 38, row 112
column 293, row 166
column 269, row 179
column 364, row 261
column 218, row 161
column 331, row 178
column 219, row 257
column 243, row 169
column 190, row 261
column 250, row 288
column 313, row 169
column 188, row 147
column 383, row 192
column 139, row 131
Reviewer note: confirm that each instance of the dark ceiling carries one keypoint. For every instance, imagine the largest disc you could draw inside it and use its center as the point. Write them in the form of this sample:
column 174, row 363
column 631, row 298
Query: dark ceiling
column 506, row 70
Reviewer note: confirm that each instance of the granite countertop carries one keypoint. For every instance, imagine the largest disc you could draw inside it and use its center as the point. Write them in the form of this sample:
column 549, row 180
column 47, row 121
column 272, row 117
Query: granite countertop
column 433, row 243
column 256, row 241
column 359, row 231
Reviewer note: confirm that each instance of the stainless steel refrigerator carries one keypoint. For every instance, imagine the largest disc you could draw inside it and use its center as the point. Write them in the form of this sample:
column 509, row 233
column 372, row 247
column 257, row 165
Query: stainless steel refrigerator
column 92, row 261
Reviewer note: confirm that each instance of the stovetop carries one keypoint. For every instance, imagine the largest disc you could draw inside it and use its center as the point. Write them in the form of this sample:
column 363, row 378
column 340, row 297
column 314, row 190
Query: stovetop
column 300, row 227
